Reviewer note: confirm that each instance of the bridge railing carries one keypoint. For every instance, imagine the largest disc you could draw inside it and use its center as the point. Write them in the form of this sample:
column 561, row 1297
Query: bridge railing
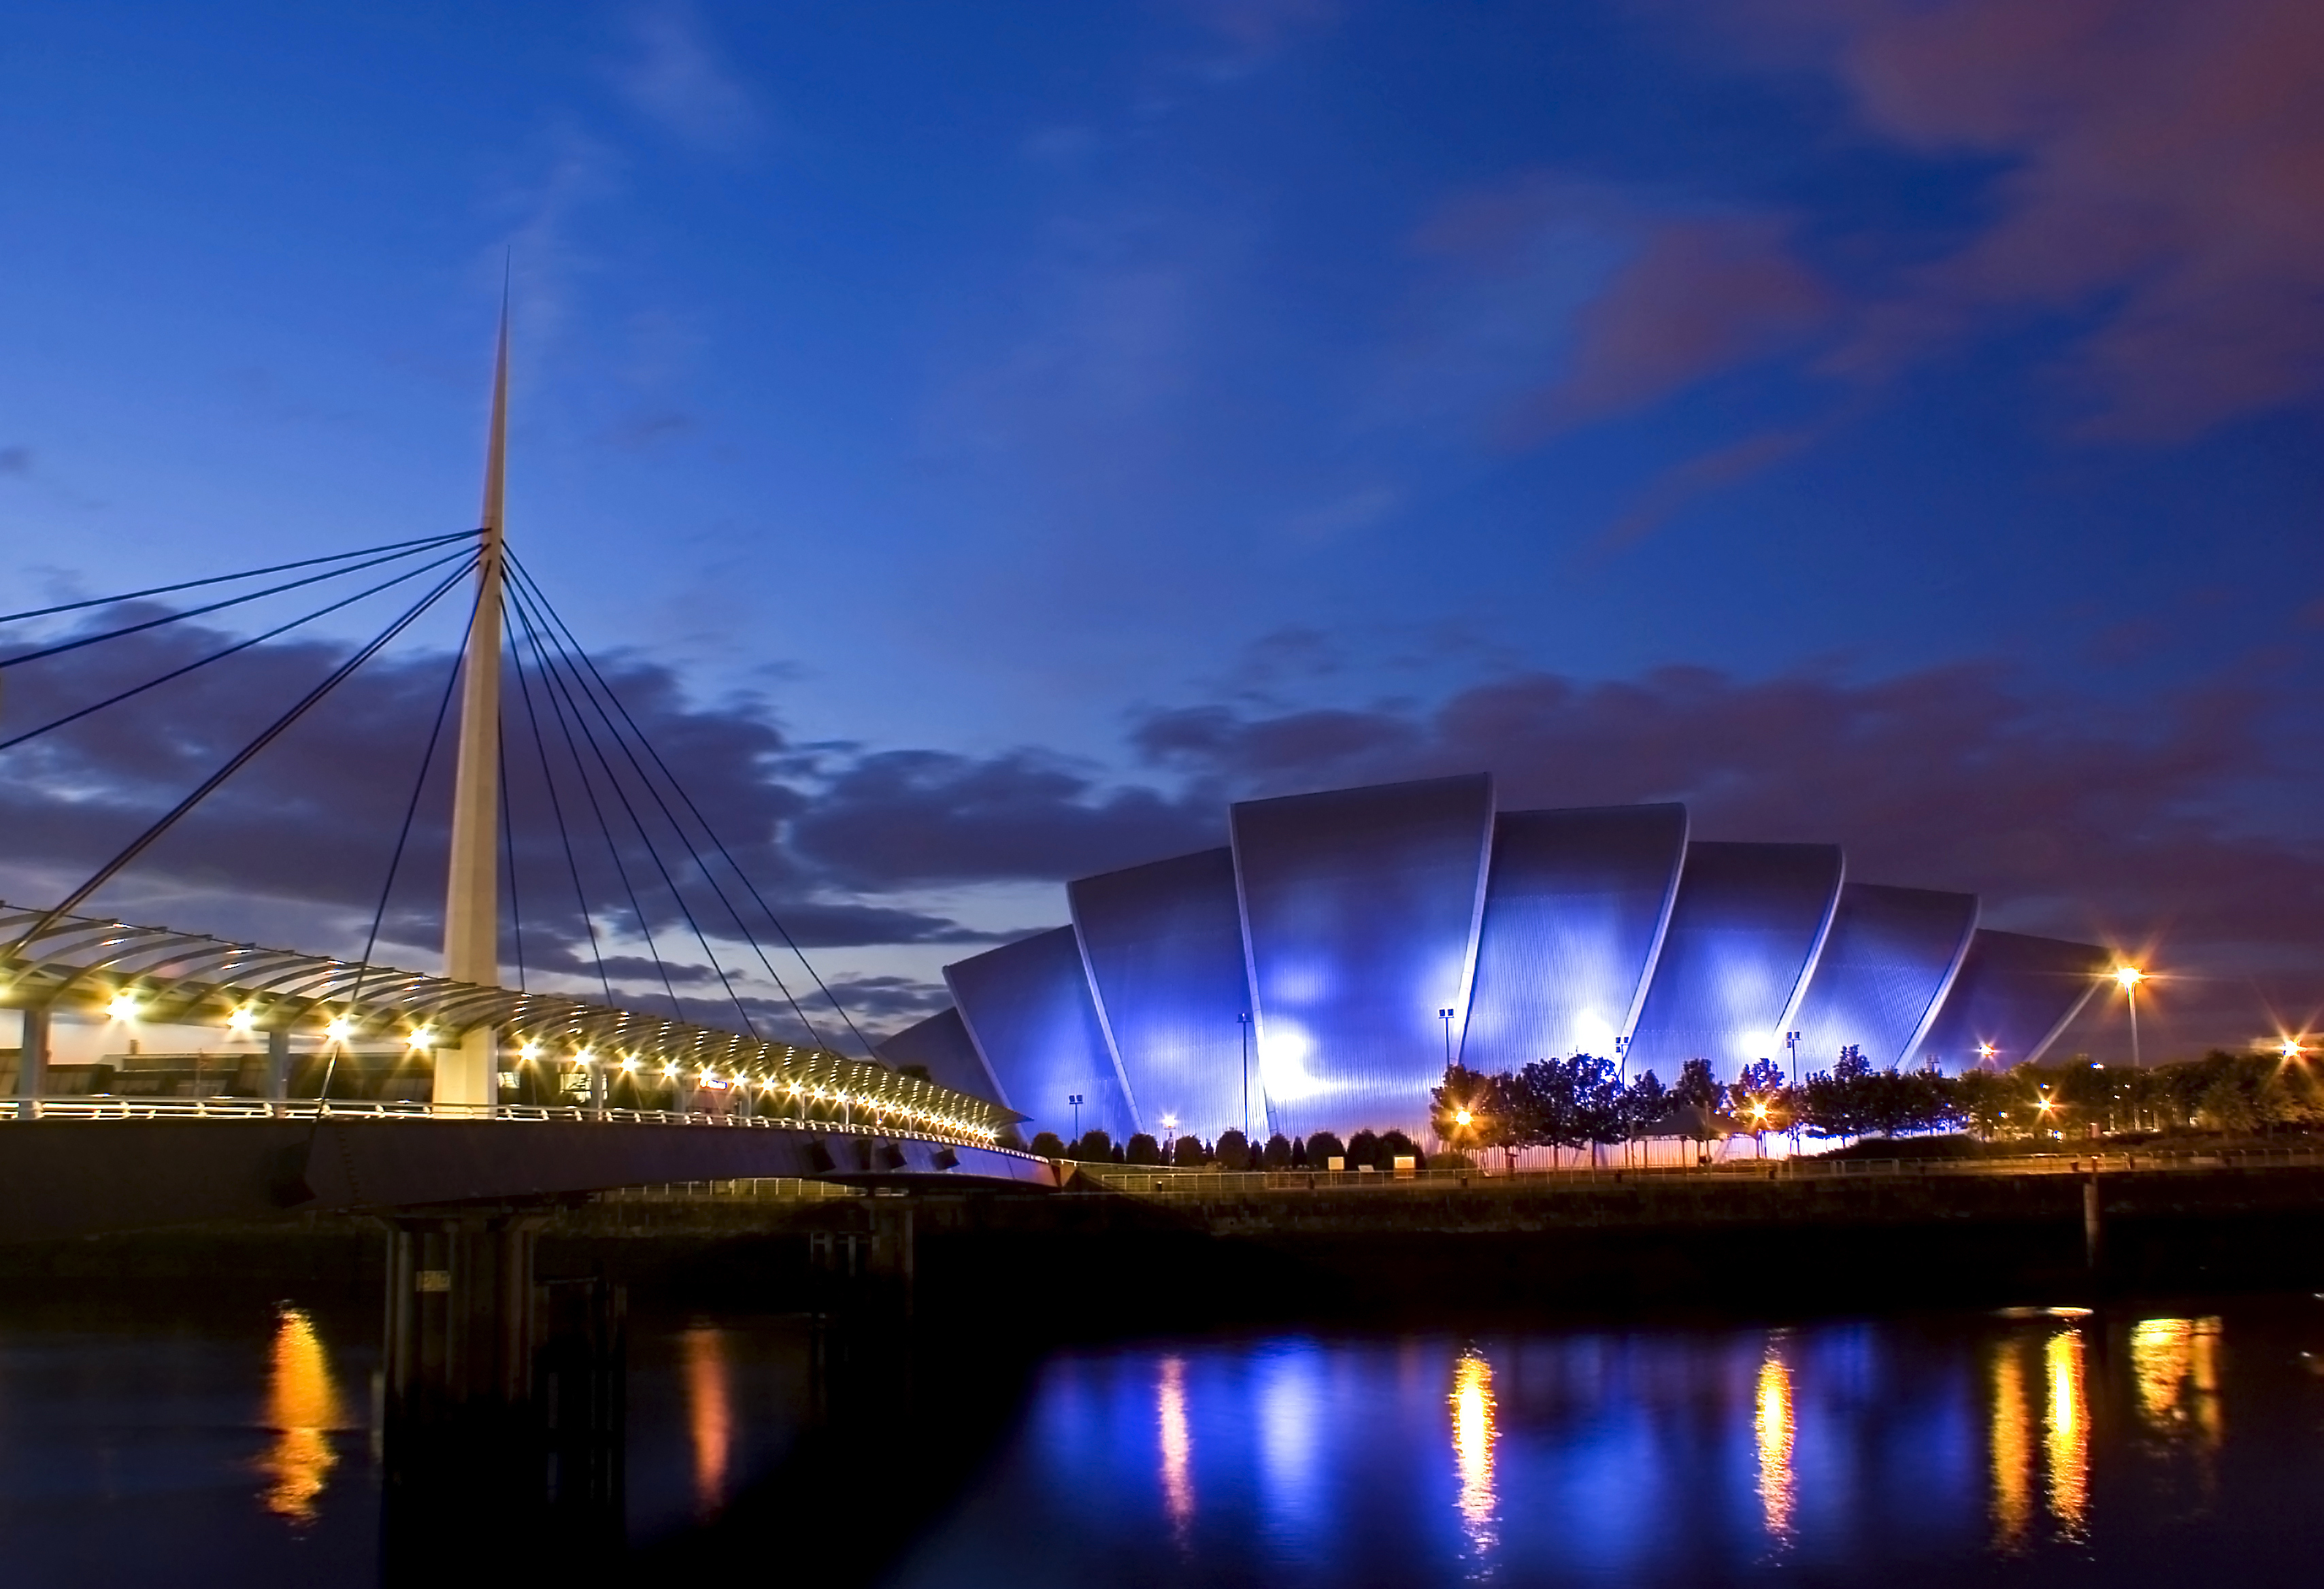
column 1162, row 1182
column 103, row 1106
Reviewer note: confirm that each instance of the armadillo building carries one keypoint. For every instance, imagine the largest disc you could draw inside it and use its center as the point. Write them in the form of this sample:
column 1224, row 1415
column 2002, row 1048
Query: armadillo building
column 1317, row 972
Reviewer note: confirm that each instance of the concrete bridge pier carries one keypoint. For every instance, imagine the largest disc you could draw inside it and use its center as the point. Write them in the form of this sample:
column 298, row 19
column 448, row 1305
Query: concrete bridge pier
column 504, row 1395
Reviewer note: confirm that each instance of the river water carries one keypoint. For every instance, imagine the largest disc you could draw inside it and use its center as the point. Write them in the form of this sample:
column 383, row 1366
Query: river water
column 2170, row 1443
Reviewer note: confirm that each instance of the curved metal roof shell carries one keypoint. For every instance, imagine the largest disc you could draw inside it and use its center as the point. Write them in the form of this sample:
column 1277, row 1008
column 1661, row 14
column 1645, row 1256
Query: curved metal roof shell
column 1163, row 944
column 1574, row 912
column 1742, row 943
column 1886, row 962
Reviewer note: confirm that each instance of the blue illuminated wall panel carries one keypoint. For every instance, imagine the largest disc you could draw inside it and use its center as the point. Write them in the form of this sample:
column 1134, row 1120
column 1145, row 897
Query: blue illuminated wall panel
column 1743, row 936
column 1887, row 959
column 1360, row 909
column 1028, row 1008
column 941, row 1045
column 2014, row 992
column 1164, row 947
column 1574, row 910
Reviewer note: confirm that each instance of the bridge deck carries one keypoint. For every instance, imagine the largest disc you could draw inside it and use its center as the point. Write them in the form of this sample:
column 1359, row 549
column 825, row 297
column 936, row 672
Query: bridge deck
column 131, row 1164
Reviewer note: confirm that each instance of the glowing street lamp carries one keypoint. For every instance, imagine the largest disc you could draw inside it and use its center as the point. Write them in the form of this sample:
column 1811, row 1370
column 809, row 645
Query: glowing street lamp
column 124, row 1007
column 2291, row 1048
column 242, row 1020
column 1985, row 1052
column 2128, row 978
column 338, row 1028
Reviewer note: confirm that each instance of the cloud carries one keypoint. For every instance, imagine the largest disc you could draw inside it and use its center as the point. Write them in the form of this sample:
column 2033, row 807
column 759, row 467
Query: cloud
column 677, row 79
column 1701, row 296
column 2156, row 170
column 2179, row 824
column 15, row 459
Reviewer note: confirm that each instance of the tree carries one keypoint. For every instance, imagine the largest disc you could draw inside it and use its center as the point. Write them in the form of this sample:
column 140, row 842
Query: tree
column 1696, row 1085
column 1323, row 1147
column 1233, row 1149
column 1393, row 1145
column 1277, row 1151
column 1759, row 1098
column 1049, row 1144
column 1095, row 1147
column 1598, row 1101
column 1299, row 1159
column 1457, row 1108
column 1553, row 1111
column 1187, row 1153
column 1144, row 1150
column 1643, row 1102
column 1363, row 1149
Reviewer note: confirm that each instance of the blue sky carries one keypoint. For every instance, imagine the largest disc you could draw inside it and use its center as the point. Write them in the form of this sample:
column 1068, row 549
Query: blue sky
column 1897, row 421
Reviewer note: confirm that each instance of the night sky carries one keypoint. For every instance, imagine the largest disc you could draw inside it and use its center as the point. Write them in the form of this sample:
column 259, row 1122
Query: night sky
column 984, row 439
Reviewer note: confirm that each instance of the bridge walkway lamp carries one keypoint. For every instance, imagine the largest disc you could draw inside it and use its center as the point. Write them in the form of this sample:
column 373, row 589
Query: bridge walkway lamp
column 2127, row 978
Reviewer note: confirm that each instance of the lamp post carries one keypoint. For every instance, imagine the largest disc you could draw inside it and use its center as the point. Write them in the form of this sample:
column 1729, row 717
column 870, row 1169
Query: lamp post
column 2128, row 978
column 1243, row 1020
column 1792, row 1041
column 1445, row 1016
column 1075, row 1098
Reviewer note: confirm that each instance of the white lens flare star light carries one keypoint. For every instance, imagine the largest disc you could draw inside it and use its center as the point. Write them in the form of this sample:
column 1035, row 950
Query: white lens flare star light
column 124, row 1006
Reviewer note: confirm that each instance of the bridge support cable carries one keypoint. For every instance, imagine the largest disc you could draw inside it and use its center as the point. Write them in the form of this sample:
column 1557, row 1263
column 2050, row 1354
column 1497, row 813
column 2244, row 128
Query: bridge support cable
column 220, row 656
column 410, row 811
column 557, row 705
column 422, row 544
column 77, row 642
column 527, row 616
column 524, row 579
column 564, row 833
column 273, row 731
column 565, row 681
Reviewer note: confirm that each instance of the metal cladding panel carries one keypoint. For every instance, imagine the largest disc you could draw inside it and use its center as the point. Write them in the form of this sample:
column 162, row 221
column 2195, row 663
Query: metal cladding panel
column 1028, row 1008
column 1359, row 911
column 1163, row 944
column 1573, row 911
column 942, row 1046
column 1743, row 935
column 1885, row 964
column 2014, row 992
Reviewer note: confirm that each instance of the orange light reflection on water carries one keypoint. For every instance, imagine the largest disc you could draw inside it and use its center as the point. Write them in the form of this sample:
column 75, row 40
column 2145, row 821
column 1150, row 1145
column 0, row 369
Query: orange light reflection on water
column 302, row 1409
column 709, row 1414
column 1775, row 1424
column 2068, row 1432
column 2012, row 1448
column 1473, row 1432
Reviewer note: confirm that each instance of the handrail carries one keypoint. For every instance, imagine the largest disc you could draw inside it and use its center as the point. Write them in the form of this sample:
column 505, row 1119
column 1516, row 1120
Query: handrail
column 1165, row 1181
column 116, row 1107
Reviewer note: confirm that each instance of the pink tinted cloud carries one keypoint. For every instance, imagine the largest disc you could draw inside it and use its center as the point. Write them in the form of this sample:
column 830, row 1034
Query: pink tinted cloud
column 1701, row 296
column 2165, row 168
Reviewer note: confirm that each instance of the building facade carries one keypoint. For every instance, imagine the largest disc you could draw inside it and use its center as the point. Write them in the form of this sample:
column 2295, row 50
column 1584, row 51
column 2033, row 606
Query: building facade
column 1319, row 972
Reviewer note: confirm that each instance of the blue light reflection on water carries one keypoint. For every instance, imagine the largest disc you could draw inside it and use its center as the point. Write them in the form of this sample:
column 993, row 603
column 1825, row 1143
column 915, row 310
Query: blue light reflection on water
column 1911, row 1452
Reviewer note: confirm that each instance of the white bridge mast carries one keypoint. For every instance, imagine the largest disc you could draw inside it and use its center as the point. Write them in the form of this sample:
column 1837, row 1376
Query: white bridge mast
column 469, row 1075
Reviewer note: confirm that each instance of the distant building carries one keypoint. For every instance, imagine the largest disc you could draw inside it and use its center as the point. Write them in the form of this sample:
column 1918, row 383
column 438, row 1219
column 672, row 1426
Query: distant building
column 1346, row 925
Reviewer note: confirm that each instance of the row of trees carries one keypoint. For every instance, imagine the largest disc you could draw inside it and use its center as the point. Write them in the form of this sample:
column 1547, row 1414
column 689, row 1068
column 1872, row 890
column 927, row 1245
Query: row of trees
column 1583, row 1102
column 1376, row 1149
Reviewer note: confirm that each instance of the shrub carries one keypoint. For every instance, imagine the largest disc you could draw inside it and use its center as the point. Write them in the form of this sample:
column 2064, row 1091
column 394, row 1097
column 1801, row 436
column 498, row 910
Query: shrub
column 1143, row 1150
column 1186, row 1153
column 1322, row 1148
column 1095, row 1147
column 1233, row 1150
column 1363, row 1148
column 1277, row 1151
column 1049, row 1144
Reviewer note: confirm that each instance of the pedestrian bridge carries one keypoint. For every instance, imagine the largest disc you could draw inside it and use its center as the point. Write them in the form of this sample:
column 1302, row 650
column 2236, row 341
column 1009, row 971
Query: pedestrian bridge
column 656, row 1099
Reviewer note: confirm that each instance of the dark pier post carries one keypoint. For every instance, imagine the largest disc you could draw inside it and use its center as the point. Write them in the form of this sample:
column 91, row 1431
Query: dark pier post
column 505, row 1402
column 2092, row 1228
